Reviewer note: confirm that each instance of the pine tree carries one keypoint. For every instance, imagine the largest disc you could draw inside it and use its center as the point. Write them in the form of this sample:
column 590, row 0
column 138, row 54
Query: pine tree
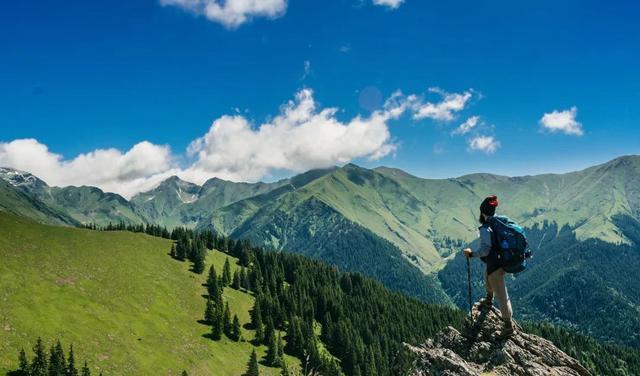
column 252, row 367
column 226, row 320
column 285, row 369
column 280, row 347
column 181, row 249
column 244, row 279
column 199, row 260
column 209, row 312
column 269, row 330
column 71, row 367
column 256, row 322
column 57, row 362
column 85, row 370
column 23, row 369
column 236, row 280
column 39, row 363
column 217, row 328
column 272, row 357
column 226, row 273
column 235, row 329
column 213, row 288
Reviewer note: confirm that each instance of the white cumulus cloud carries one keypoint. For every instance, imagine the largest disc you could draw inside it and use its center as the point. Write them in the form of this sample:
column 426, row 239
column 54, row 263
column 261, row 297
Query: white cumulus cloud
column 563, row 122
column 301, row 137
column 467, row 126
column 231, row 13
column 445, row 109
column 127, row 173
column 393, row 4
column 486, row 144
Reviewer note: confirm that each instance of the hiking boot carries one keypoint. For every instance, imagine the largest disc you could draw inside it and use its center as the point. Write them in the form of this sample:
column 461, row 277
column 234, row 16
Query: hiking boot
column 507, row 330
column 486, row 302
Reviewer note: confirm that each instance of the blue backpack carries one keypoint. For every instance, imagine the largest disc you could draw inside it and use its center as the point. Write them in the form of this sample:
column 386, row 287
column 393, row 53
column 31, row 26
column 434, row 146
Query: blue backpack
column 510, row 243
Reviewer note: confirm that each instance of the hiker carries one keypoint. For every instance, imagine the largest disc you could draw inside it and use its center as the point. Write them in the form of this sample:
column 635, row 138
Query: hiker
column 494, row 273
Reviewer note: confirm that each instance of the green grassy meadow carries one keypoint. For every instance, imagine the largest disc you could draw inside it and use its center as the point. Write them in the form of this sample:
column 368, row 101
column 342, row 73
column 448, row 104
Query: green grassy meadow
column 125, row 304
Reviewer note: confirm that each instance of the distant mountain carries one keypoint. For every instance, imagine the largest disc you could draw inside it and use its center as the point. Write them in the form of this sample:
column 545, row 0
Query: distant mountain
column 69, row 205
column 15, row 201
column 176, row 202
column 428, row 219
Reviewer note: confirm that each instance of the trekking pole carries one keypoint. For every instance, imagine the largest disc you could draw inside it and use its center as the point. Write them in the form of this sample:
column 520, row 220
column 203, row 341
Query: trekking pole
column 469, row 285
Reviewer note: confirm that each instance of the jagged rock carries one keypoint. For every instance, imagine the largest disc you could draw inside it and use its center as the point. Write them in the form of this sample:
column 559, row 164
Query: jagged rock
column 476, row 351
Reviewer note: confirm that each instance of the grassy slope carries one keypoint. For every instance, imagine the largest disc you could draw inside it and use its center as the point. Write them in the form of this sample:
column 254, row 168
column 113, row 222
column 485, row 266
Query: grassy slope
column 117, row 296
column 92, row 205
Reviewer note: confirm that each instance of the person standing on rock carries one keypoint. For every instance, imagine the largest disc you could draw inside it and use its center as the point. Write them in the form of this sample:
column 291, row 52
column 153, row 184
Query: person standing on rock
column 494, row 275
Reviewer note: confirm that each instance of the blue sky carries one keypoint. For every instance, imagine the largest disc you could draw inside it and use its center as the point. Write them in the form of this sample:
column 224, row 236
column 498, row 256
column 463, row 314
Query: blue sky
column 79, row 76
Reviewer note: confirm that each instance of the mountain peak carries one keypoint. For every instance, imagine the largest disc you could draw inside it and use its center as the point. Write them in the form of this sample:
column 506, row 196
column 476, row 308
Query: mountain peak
column 175, row 181
column 24, row 181
column 476, row 351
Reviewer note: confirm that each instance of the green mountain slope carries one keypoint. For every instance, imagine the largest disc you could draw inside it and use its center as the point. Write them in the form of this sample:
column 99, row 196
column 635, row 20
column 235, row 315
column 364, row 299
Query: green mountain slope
column 315, row 229
column 176, row 202
column 19, row 203
column 83, row 204
column 127, row 307
column 425, row 218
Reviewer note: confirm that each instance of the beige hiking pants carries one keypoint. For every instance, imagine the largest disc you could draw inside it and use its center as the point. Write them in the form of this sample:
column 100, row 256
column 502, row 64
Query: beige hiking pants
column 495, row 285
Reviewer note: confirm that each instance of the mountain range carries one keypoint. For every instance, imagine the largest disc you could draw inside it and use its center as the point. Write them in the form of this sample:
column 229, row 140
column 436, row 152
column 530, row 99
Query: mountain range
column 403, row 230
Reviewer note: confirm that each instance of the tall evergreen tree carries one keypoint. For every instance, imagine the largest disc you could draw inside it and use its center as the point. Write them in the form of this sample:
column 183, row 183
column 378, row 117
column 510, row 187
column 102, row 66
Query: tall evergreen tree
column 217, row 328
column 198, row 257
column 244, row 279
column 213, row 288
column 23, row 369
column 256, row 322
column 284, row 371
column 71, row 366
column 182, row 248
column 252, row 367
column 235, row 328
column 57, row 362
column 272, row 358
column 39, row 363
column 226, row 273
column 280, row 347
column 235, row 284
column 226, row 320
column 85, row 370
column 210, row 311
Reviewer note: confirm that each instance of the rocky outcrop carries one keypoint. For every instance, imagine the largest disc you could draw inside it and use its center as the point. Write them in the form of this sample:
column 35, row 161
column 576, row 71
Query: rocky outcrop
column 477, row 351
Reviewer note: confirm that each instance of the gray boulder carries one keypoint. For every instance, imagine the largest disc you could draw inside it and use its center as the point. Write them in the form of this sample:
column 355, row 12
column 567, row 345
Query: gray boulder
column 477, row 351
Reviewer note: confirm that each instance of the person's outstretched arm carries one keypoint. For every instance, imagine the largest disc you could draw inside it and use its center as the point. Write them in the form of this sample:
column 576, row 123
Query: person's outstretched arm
column 485, row 244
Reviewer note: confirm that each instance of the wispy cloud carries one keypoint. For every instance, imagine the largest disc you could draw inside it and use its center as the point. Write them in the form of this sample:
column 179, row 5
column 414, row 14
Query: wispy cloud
column 231, row 13
column 307, row 70
column 444, row 110
column 393, row 4
column 562, row 122
column 467, row 126
column 345, row 48
column 485, row 144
